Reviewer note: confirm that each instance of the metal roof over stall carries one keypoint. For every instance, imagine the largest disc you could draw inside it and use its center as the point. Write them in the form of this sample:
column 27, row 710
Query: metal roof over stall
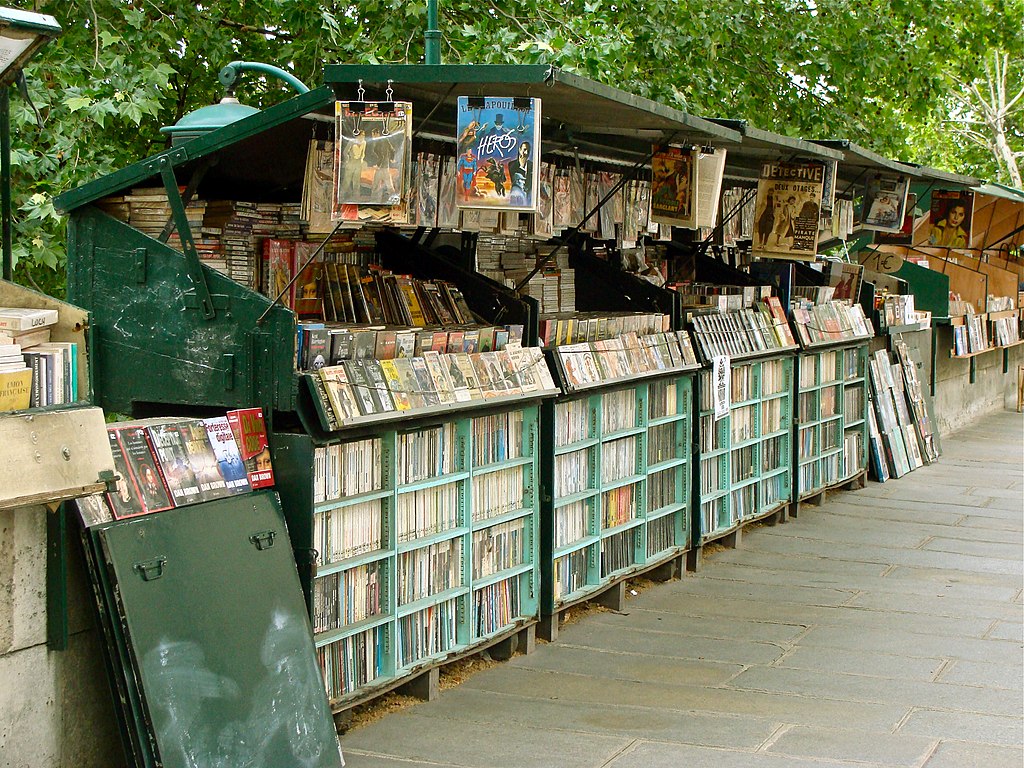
column 744, row 161
column 576, row 112
column 856, row 157
column 928, row 173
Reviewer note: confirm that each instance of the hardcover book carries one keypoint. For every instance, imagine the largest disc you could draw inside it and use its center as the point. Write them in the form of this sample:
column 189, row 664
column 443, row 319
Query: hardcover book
column 203, row 460
column 229, row 459
column 178, row 475
column 250, row 432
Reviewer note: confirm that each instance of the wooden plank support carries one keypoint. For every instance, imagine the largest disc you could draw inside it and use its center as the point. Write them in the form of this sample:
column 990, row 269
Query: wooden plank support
column 614, row 597
column 425, row 686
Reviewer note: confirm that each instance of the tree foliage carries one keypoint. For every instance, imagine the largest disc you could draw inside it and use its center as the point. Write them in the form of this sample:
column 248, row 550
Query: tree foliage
column 884, row 73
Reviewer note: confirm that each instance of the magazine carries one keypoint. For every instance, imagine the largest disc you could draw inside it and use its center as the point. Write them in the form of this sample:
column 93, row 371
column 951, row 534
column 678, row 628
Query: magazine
column 787, row 210
column 951, row 213
column 498, row 153
column 885, row 200
column 673, row 186
column 372, row 158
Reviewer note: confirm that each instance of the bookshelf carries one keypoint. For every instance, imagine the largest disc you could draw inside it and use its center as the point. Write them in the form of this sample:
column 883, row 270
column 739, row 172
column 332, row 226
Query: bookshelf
column 744, row 472
column 830, row 428
column 424, row 538
column 615, row 480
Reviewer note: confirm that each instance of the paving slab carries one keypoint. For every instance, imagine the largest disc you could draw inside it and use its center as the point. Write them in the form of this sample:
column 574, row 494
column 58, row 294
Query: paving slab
column 870, row 664
column 981, row 673
column 867, row 746
column 986, row 729
column 650, row 754
column 651, row 721
column 962, row 754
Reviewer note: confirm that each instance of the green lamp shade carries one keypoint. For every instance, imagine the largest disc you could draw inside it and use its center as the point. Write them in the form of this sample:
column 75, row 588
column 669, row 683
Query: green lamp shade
column 206, row 119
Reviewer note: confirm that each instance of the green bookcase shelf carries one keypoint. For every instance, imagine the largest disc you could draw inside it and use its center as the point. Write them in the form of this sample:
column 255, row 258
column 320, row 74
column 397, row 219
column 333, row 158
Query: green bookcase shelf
column 454, row 562
column 743, row 471
column 831, row 429
column 615, row 483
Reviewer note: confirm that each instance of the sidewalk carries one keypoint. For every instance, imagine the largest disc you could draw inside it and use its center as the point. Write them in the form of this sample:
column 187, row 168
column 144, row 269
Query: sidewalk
column 883, row 628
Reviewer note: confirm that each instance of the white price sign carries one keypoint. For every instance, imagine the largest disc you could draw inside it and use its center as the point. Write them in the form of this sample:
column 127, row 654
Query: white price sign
column 720, row 385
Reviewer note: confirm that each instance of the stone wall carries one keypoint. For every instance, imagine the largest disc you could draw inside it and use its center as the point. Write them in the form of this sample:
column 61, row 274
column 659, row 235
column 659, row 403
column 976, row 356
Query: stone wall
column 55, row 706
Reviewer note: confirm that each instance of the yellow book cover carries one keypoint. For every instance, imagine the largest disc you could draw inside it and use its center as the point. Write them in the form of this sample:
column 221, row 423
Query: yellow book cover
column 15, row 390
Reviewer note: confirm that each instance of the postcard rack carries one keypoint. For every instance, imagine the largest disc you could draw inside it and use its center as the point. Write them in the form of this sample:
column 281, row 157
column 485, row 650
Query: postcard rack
column 615, row 484
column 745, row 472
column 830, row 423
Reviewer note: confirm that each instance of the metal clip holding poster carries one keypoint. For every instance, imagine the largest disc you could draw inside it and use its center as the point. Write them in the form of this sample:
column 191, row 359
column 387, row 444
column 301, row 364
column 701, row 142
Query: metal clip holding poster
column 720, row 366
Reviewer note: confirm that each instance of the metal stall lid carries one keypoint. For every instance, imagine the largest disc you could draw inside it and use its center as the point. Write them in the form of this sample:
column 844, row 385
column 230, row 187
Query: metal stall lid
column 212, row 612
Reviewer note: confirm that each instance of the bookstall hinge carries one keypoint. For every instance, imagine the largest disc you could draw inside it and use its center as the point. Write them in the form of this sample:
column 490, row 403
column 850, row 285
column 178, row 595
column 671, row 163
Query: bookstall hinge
column 193, row 266
column 228, row 365
column 150, row 570
column 263, row 540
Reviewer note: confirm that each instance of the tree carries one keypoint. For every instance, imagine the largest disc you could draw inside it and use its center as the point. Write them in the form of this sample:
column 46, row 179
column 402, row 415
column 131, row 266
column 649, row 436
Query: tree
column 880, row 72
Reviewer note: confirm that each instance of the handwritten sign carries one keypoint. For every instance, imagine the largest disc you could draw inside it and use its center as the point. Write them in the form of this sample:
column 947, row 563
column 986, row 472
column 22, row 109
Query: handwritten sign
column 720, row 385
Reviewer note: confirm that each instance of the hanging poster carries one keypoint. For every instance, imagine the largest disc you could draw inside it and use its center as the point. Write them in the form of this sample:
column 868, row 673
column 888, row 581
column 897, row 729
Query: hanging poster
column 951, row 213
column 905, row 236
column 720, row 366
column 828, row 189
column 674, row 185
column 498, row 152
column 885, row 201
column 787, row 210
column 372, row 160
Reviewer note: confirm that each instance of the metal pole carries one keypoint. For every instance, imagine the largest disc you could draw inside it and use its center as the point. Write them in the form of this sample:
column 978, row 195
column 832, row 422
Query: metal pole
column 432, row 53
column 5, row 179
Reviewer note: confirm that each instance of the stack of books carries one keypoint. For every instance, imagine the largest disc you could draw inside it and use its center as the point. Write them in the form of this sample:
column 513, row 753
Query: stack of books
column 575, row 328
column 583, row 365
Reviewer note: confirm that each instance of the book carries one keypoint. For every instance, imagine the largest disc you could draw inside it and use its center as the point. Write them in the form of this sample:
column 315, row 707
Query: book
column 373, row 156
column 409, row 382
column 341, row 397
column 951, row 217
column 25, row 339
column 884, row 202
column 15, row 389
column 425, row 383
column 439, row 376
column 361, row 387
column 250, row 433
column 498, row 148
column 378, row 387
column 151, row 494
column 225, row 450
column 202, row 459
column 177, row 472
column 124, row 499
column 395, row 385
column 19, row 319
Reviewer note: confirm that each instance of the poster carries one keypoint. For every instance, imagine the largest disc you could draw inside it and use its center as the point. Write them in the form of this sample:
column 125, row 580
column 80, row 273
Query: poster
column 673, row 186
column 372, row 160
column 720, row 381
column 846, row 279
column 905, row 236
column 787, row 210
column 885, row 202
column 952, row 211
column 498, row 153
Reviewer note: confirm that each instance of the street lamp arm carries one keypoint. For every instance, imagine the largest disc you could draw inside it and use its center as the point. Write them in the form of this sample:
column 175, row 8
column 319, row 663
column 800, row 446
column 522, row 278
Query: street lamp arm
column 229, row 74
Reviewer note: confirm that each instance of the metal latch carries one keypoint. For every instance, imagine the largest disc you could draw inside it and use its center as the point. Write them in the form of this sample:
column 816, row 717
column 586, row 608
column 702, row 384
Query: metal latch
column 263, row 540
column 151, row 570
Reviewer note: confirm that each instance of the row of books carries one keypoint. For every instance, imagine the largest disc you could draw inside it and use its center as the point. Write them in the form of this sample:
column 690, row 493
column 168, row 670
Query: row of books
column 594, row 326
column 583, row 365
column 167, row 463
column 1005, row 328
column 724, row 298
column 347, row 469
column 34, row 372
column 359, row 388
column 763, row 328
column 498, row 493
column 833, row 321
column 970, row 336
column 320, row 344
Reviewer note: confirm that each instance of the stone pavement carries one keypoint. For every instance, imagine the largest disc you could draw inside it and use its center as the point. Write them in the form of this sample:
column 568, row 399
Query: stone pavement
column 883, row 628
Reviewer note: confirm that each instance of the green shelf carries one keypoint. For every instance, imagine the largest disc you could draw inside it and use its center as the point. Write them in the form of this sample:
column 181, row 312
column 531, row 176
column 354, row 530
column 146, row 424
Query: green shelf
column 352, row 562
column 577, row 446
column 488, row 469
column 657, row 422
column 665, row 511
column 667, row 464
column 564, row 501
column 575, row 546
column 348, row 501
column 432, row 600
column 433, row 482
column 622, row 482
column 631, row 432
column 508, row 573
column 332, row 636
column 431, row 538
column 505, row 517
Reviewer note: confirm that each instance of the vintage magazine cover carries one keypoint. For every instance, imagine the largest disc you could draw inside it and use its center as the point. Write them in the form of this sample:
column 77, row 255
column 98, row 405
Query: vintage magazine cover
column 885, row 201
column 846, row 279
column 498, row 152
column 905, row 235
column 952, row 211
column 787, row 210
column 673, row 186
column 373, row 153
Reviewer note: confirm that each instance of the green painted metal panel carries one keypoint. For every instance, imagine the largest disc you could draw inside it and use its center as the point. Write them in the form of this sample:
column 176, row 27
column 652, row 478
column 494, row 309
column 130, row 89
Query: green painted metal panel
column 930, row 288
column 153, row 344
column 220, row 636
column 131, row 175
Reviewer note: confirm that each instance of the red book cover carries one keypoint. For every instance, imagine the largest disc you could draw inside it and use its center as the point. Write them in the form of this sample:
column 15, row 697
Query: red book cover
column 143, row 490
column 251, row 435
